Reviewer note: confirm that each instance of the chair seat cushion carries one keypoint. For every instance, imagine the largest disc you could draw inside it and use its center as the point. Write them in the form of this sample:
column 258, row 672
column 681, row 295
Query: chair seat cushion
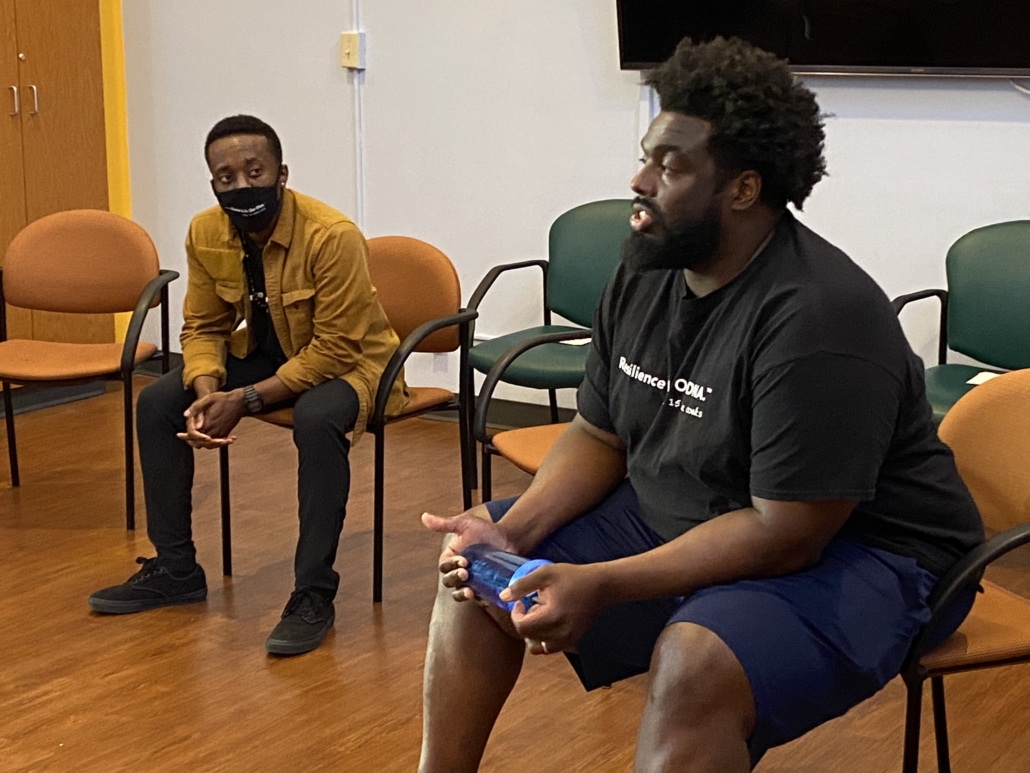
column 23, row 361
column 997, row 630
column 526, row 447
column 945, row 384
column 421, row 399
column 550, row 366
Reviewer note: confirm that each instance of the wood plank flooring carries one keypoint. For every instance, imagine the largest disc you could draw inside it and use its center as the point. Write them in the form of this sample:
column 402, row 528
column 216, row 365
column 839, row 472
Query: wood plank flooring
column 190, row 688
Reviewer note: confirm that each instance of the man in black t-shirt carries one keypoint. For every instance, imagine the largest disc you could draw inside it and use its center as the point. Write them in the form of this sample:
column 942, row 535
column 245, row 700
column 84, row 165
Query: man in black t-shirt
column 752, row 504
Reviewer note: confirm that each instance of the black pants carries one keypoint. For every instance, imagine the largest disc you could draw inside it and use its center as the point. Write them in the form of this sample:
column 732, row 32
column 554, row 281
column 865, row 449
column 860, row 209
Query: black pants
column 322, row 416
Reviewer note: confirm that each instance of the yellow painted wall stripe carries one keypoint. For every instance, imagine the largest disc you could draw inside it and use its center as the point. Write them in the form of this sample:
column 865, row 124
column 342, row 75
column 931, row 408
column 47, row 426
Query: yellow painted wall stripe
column 112, row 55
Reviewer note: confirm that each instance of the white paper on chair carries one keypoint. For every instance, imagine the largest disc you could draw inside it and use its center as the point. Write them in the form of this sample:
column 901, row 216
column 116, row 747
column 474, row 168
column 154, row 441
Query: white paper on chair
column 581, row 342
column 982, row 377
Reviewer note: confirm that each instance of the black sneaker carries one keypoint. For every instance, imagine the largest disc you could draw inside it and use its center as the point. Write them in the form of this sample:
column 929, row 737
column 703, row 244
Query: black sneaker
column 305, row 622
column 152, row 586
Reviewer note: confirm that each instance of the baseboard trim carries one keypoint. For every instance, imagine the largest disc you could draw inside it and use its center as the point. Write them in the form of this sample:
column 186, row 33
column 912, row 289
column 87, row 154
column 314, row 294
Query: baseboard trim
column 33, row 397
column 510, row 414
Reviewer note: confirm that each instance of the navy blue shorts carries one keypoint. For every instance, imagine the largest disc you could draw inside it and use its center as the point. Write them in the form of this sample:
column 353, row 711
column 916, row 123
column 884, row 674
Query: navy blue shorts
column 812, row 644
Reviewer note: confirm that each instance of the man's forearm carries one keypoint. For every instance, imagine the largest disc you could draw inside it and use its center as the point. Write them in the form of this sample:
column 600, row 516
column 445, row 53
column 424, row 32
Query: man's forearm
column 742, row 544
column 577, row 473
column 205, row 385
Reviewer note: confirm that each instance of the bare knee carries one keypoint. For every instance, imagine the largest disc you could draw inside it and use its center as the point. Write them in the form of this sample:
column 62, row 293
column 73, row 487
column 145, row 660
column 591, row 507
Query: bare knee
column 696, row 679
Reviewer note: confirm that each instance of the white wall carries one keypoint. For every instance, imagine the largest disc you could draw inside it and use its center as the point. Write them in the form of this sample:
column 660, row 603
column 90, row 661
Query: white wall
column 484, row 121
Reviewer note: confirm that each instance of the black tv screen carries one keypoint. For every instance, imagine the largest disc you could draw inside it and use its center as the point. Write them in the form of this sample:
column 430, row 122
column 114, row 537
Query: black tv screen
column 934, row 37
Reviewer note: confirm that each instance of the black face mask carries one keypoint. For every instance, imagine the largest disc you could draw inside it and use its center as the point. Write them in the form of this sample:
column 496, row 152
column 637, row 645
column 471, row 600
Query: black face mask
column 251, row 209
column 684, row 246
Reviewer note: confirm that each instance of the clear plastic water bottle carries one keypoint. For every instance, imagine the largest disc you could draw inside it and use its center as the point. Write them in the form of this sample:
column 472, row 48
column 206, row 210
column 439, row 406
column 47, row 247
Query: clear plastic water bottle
column 492, row 570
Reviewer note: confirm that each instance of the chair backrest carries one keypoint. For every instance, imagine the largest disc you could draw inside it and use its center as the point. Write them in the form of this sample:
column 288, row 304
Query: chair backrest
column 416, row 282
column 583, row 251
column 988, row 430
column 989, row 294
column 79, row 261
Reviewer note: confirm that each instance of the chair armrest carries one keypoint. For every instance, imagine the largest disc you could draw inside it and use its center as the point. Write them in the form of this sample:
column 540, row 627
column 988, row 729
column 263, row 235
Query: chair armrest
column 505, row 360
column 968, row 571
column 393, row 368
column 942, row 295
column 146, row 301
column 491, row 276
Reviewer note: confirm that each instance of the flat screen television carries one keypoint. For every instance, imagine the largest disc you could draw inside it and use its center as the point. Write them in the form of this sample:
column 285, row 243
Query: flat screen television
column 910, row 37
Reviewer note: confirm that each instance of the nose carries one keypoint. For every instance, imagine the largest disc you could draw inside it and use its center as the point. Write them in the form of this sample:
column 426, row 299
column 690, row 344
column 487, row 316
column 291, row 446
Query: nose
column 642, row 183
column 240, row 180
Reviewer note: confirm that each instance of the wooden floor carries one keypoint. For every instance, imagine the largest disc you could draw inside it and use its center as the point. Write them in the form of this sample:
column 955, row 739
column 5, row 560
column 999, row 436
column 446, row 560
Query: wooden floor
column 191, row 689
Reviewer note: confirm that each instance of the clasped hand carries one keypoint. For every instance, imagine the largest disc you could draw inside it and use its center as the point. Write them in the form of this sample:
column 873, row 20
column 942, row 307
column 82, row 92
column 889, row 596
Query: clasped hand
column 211, row 418
column 568, row 595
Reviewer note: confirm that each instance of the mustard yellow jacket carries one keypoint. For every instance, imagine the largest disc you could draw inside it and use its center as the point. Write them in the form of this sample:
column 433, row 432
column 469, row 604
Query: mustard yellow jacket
column 324, row 309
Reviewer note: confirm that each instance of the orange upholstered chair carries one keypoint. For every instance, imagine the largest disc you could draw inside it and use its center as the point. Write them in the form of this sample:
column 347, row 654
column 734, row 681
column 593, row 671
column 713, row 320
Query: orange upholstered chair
column 421, row 295
column 988, row 429
column 81, row 262
column 525, row 447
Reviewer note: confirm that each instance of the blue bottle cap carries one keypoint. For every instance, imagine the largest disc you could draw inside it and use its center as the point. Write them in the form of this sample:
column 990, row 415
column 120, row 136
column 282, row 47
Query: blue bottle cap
column 522, row 571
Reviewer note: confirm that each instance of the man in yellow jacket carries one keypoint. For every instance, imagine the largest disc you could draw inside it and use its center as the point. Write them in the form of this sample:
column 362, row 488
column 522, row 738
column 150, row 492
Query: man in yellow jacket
column 316, row 337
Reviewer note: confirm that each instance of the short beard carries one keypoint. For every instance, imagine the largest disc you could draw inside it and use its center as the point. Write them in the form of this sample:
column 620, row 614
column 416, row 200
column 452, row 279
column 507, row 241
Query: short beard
column 685, row 246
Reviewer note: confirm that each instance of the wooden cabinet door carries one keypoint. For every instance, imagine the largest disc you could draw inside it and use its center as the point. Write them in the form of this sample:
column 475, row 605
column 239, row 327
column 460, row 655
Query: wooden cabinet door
column 63, row 131
column 12, row 179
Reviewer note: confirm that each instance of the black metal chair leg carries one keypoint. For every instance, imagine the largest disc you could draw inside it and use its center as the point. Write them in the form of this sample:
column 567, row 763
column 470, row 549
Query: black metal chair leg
column 467, row 480
column 130, row 469
column 913, row 709
column 165, row 360
column 223, row 480
column 486, row 488
column 552, row 396
column 940, row 724
column 468, row 392
column 12, row 446
column 377, row 516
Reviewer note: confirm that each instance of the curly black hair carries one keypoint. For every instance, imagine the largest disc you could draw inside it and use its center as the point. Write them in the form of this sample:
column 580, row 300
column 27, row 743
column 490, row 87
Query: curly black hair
column 761, row 117
column 245, row 124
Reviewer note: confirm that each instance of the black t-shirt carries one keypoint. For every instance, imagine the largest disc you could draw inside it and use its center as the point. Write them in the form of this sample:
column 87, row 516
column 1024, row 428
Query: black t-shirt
column 260, row 321
column 793, row 382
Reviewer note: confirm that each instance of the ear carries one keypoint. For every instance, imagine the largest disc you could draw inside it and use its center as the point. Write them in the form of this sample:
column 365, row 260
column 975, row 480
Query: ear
column 284, row 173
column 745, row 190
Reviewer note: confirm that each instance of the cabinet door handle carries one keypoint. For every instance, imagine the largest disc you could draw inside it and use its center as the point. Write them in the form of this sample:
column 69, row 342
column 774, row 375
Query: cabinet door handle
column 14, row 91
column 35, row 100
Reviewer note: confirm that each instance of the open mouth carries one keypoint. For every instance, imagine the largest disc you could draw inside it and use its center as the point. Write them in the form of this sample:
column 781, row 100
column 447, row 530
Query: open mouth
column 643, row 217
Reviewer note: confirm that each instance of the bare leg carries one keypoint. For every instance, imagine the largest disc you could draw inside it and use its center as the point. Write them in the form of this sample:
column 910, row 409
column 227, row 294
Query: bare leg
column 471, row 667
column 699, row 710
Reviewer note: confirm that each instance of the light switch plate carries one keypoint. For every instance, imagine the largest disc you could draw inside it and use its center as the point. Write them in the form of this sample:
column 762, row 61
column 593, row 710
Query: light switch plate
column 352, row 50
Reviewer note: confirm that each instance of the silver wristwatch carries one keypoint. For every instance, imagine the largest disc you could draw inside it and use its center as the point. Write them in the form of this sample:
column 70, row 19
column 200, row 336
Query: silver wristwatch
column 252, row 400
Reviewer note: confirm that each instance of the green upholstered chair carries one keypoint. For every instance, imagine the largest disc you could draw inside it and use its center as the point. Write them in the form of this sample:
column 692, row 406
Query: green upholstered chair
column 583, row 251
column 985, row 312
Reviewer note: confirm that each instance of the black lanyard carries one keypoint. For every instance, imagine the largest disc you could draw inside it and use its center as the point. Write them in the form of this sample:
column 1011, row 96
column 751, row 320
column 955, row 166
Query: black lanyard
column 254, row 271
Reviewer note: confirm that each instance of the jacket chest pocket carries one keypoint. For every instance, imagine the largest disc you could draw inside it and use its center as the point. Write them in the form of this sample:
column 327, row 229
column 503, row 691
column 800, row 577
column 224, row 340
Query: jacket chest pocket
column 224, row 265
column 230, row 291
column 299, row 308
